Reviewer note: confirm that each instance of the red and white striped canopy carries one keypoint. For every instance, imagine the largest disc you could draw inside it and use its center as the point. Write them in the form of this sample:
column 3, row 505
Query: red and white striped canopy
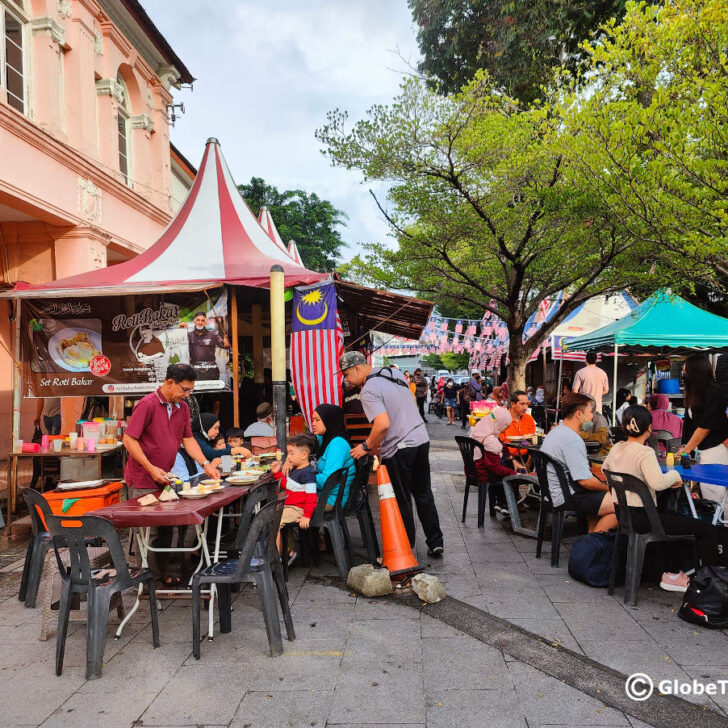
column 293, row 252
column 266, row 222
column 214, row 238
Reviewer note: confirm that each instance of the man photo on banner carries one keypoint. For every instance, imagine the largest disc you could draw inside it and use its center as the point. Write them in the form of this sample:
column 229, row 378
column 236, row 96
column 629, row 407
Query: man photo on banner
column 202, row 343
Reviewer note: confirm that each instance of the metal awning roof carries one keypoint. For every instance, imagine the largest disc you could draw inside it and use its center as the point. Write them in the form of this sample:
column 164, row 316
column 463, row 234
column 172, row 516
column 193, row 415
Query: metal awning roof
column 390, row 313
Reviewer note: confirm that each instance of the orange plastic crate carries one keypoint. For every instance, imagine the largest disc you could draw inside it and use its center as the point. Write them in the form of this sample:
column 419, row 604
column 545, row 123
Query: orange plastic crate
column 84, row 500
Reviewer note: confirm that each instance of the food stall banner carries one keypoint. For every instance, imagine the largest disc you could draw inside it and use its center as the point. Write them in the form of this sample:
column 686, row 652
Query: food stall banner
column 122, row 345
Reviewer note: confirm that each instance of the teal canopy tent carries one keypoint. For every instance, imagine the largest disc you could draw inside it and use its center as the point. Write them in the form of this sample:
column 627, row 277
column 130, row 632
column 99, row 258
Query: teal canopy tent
column 664, row 323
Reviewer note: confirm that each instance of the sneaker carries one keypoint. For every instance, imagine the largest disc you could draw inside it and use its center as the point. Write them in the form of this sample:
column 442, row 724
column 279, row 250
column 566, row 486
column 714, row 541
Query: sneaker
column 674, row 582
column 436, row 552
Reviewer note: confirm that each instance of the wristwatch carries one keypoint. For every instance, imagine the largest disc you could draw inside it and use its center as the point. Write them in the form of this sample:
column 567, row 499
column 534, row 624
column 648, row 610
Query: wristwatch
column 207, row 462
column 366, row 447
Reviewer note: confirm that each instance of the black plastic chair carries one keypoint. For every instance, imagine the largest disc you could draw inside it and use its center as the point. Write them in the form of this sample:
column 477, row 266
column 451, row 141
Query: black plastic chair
column 621, row 484
column 358, row 505
column 263, row 493
column 259, row 563
column 541, row 462
column 40, row 542
column 671, row 443
column 330, row 520
column 617, row 433
column 99, row 585
column 468, row 446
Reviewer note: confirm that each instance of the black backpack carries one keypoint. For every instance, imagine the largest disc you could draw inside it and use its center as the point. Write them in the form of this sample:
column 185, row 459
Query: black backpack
column 706, row 600
column 590, row 560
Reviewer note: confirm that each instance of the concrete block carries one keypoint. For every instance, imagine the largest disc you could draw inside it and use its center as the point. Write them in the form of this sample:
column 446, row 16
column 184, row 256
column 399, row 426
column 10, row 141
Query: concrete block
column 428, row 588
column 369, row 581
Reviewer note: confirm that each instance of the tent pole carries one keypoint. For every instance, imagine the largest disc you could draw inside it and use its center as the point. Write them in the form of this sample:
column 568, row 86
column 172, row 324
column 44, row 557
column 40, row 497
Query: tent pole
column 236, row 354
column 558, row 384
column 278, row 351
column 614, row 386
column 17, row 385
column 257, row 316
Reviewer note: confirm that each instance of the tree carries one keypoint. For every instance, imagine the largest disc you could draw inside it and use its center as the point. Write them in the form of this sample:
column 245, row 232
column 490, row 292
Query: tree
column 452, row 362
column 304, row 217
column 433, row 361
column 645, row 125
column 516, row 41
column 486, row 212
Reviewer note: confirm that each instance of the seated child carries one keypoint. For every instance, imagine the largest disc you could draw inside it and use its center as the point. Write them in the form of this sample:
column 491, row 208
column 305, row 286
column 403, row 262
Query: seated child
column 299, row 484
column 219, row 443
column 234, row 437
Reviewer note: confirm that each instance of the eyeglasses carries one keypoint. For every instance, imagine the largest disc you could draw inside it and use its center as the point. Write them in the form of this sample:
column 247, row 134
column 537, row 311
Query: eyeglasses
column 186, row 390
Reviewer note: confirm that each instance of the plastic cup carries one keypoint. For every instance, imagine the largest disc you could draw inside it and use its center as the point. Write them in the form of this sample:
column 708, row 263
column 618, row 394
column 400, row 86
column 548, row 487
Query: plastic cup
column 57, row 445
column 80, row 444
column 186, row 485
column 72, row 439
column 534, row 440
column 17, row 446
column 45, row 443
column 91, row 445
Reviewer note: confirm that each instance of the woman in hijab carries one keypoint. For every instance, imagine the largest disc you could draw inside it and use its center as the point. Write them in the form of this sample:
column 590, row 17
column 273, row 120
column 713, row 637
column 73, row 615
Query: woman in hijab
column 498, row 396
column 658, row 404
column 205, row 430
column 486, row 432
column 333, row 450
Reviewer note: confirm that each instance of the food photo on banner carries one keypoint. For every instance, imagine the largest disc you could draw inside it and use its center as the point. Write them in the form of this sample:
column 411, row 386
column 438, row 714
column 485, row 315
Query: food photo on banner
column 123, row 344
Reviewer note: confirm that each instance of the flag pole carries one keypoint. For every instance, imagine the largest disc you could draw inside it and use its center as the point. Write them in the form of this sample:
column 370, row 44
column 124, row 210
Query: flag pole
column 233, row 295
column 278, row 351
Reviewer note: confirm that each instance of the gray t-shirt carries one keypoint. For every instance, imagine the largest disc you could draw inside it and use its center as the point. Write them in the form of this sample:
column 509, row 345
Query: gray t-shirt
column 259, row 429
column 565, row 445
column 406, row 428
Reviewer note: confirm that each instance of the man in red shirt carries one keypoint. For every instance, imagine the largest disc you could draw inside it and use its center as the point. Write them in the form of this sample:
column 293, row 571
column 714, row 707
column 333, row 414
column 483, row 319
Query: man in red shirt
column 522, row 425
column 158, row 426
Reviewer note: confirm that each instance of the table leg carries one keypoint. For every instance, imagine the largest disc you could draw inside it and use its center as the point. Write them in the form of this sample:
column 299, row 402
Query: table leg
column 718, row 515
column 686, row 488
column 143, row 539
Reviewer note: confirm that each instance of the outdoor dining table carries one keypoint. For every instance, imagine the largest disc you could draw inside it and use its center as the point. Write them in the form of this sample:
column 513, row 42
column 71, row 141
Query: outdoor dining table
column 183, row 512
column 709, row 474
column 65, row 452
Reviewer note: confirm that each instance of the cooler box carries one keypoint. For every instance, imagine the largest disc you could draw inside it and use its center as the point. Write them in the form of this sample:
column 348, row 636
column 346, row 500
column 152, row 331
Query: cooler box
column 80, row 502
column 668, row 386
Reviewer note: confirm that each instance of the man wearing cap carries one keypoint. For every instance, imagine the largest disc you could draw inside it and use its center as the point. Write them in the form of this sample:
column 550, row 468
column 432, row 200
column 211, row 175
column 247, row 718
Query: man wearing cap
column 400, row 432
column 264, row 426
column 420, row 390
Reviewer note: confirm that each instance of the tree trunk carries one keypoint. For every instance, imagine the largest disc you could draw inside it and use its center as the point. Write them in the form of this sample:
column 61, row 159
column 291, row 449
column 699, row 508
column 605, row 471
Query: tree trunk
column 517, row 366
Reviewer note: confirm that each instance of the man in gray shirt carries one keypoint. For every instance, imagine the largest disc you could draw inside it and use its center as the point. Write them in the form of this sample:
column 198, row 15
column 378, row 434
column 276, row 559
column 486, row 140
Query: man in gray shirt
column 400, row 432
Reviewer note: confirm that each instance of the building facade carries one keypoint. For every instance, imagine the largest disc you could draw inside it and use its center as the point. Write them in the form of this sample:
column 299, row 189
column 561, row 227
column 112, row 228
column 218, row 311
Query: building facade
column 85, row 168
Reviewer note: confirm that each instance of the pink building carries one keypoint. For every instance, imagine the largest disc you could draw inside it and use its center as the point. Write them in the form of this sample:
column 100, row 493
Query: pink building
column 86, row 176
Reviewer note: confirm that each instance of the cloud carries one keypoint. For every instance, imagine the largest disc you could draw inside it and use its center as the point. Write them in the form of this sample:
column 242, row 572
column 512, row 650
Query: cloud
column 267, row 75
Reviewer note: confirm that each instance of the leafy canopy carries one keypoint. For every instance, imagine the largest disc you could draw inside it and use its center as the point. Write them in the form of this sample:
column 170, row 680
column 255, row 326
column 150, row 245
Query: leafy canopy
column 452, row 362
column 645, row 122
column 485, row 206
column 301, row 216
column 516, row 41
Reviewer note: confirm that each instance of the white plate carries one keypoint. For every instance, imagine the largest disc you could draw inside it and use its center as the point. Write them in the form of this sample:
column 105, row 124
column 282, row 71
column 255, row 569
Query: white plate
column 245, row 480
column 54, row 346
column 192, row 496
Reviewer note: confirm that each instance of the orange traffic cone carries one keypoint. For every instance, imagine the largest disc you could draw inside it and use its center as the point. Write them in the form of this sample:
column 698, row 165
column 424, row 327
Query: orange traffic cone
column 398, row 556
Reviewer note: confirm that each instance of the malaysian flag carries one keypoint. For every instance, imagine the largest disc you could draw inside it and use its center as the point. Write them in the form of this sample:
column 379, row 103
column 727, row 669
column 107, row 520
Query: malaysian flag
column 317, row 342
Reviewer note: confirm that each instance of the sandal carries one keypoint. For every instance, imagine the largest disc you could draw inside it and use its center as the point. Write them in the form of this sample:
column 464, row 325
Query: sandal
column 169, row 581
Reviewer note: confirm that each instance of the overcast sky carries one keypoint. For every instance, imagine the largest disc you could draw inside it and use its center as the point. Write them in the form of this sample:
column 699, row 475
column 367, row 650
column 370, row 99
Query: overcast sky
column 267, row 73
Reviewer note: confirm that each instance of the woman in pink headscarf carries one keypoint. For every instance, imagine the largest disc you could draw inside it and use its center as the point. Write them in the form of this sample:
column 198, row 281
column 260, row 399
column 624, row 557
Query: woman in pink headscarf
column 486, row 432
column 661, row 418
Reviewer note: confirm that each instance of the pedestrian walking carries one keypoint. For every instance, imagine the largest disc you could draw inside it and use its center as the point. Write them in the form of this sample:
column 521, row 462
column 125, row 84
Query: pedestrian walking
column 420, row 391
column 399, row 431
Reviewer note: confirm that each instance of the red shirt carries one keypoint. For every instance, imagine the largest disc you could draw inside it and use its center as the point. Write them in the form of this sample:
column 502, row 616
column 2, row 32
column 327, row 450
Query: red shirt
column 159, row 433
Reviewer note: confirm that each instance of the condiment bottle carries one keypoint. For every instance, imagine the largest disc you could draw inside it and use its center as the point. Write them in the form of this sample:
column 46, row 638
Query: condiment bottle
column 670, row 460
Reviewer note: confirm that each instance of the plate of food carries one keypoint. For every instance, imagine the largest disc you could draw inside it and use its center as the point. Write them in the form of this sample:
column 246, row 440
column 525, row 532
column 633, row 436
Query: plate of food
column 257, row 472
column 242, row 479
column 73, row 349
column 267, row 456
column 211, row 483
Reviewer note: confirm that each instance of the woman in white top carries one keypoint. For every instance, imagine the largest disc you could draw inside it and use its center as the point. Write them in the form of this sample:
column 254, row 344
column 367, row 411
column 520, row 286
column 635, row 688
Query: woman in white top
column 632, row 457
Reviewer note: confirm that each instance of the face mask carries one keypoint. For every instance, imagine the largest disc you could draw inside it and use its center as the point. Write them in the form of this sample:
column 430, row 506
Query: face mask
column 587, row 426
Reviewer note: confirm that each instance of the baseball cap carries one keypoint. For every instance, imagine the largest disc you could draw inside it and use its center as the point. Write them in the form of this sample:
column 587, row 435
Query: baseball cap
column 263, row 410
column 351, row 359
column 474, row 372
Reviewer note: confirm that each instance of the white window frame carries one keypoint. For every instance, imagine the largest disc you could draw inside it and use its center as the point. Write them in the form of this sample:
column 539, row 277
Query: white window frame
column 17, row 12
column 124, row 116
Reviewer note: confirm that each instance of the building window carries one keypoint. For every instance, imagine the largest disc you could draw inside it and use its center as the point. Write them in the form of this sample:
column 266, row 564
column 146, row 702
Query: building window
column 123, row 132
column 11, row 59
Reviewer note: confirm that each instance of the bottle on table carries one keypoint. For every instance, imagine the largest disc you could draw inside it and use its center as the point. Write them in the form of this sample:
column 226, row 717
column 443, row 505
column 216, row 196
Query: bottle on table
column 670, row 460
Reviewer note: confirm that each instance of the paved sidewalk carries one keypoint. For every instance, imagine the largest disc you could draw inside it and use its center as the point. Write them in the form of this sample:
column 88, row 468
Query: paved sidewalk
column 363, row 662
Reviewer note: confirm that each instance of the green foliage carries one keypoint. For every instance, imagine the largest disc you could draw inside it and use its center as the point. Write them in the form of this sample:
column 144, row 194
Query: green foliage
column 452, row 362
column 301, row 216
column 433, row 361
column 645, row 124
column 516, row 41
column 487, row 210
